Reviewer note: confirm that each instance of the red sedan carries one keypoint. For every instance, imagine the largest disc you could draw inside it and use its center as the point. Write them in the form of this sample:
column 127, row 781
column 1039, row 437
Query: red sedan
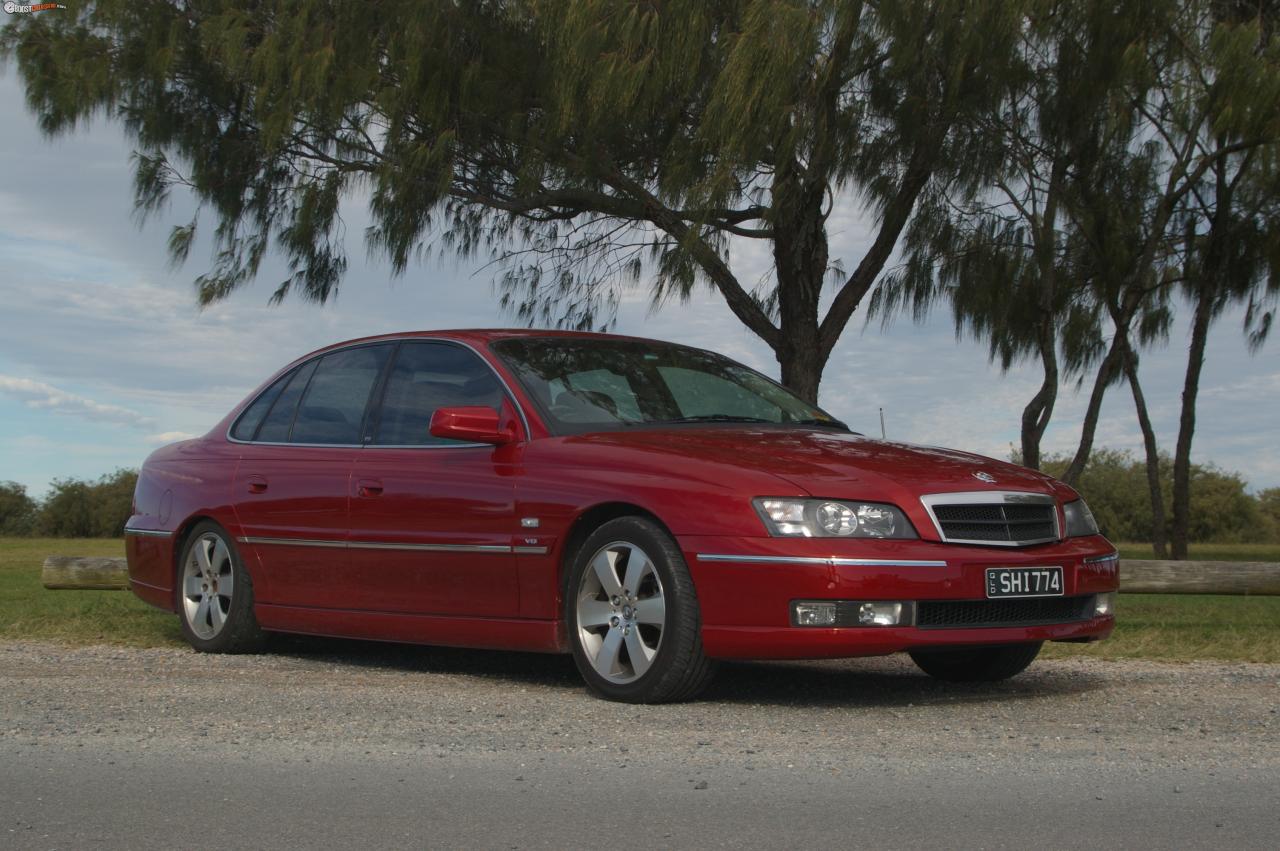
column 648, row 507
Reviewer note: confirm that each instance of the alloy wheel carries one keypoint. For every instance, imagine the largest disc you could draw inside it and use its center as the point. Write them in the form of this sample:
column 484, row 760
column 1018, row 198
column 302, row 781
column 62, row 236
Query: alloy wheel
column 208, row 581
column 621, row 612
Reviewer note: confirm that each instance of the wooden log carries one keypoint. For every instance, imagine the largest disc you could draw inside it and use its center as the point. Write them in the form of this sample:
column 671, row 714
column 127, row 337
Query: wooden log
column 85, row 574
column 1143, row 576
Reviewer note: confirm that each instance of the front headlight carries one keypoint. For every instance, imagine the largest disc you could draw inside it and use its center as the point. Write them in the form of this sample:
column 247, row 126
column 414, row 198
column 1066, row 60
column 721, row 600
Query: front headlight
column 832, row 518
column 1080, row 520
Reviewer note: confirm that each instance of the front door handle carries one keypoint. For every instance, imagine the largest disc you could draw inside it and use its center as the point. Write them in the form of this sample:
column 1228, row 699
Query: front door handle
column 257, row 484
column 369, row 487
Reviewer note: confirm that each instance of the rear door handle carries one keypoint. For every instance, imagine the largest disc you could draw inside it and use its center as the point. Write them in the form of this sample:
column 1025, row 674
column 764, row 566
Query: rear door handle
column 257, row 484
column 369, row 487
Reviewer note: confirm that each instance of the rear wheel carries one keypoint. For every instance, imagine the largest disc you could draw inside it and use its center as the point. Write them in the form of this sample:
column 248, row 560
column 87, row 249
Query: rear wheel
column 215, row 594
column 976, row 664
column 632, row 615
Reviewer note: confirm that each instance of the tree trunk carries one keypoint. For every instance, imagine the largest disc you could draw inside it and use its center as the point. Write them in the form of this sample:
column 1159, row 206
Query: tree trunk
column 800, row 263
column 1107, row 371
column 1038, row 412
column 1153, row 457
column 1036, row 415
column 801, row 363
column 1187, row 422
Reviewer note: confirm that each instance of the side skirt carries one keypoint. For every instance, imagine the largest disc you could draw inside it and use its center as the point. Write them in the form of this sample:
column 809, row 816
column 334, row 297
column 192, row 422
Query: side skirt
column 536, row 636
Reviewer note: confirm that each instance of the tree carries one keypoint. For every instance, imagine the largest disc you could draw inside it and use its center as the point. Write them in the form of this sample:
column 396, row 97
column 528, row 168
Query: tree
column 67, row 512
column 81, row 509
column 17, row 510
column 1230, row 220
column 1209, row 97
column 581, row 143
column 998, row 247
column 1222, row 509
column 1269, row 511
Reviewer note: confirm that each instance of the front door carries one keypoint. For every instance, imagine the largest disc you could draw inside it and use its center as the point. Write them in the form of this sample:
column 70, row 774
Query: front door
column 432, row 520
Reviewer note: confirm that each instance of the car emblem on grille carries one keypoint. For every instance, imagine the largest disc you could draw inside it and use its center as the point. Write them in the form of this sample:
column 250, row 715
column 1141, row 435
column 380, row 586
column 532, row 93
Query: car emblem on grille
column 984, row 476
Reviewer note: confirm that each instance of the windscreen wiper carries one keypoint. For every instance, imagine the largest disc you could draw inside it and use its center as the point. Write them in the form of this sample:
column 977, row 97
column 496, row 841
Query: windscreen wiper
column 832, row 423
column 717, row 418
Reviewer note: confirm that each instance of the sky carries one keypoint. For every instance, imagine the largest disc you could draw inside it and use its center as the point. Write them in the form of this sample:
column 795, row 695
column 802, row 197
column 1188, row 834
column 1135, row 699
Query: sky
column 105, row 354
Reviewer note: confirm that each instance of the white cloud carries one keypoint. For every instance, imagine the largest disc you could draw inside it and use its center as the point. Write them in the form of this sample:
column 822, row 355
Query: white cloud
column 38, row 395
column 169, row 437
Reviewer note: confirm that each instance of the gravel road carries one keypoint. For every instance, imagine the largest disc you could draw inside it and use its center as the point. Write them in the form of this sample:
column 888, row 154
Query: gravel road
column 332, row 744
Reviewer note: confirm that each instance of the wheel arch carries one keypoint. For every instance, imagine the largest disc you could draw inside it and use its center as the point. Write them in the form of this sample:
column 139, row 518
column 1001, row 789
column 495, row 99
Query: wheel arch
column 182, row 534
column 588, row 521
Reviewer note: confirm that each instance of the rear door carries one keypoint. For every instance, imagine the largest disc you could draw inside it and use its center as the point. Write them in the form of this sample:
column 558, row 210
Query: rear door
column 292, row 484
column 432, row 520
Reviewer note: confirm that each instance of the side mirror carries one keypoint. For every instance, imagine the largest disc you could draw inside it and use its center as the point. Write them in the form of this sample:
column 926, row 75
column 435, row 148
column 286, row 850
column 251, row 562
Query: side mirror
column 472, row 423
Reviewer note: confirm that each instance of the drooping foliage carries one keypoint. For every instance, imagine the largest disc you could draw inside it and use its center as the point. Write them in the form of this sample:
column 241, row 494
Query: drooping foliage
column 585, row 144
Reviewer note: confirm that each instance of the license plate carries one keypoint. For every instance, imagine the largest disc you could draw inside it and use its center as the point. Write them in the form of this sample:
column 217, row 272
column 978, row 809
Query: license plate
column 1024, row 582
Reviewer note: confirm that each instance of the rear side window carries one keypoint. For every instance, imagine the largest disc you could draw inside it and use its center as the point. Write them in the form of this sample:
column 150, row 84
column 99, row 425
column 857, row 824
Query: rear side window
column 275, row 426
column 333, row 407
column 246, row 427
column 424, row 378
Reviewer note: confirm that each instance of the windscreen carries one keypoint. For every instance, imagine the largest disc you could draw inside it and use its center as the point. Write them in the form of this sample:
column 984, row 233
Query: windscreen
column 591, row 384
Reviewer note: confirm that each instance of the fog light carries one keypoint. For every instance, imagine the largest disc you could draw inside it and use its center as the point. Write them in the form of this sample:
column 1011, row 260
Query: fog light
column 1104, row 604
column 880, row 614
column 813, row 614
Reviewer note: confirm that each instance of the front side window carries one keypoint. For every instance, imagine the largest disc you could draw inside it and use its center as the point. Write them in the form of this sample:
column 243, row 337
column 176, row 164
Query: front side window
column 583, row 384
column 424, row 378
column 333, row 408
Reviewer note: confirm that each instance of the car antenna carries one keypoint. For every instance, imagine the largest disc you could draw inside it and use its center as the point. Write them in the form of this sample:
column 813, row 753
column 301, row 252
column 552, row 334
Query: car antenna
column 882, row 436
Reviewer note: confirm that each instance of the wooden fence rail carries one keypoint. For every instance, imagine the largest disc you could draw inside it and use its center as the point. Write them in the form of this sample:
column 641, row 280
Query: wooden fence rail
column 1137, row 576
column 1148, row 576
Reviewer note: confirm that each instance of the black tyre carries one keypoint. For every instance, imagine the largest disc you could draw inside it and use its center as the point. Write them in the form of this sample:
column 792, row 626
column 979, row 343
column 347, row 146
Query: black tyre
column 632, row 615
column 976, row 664
column 215, row 594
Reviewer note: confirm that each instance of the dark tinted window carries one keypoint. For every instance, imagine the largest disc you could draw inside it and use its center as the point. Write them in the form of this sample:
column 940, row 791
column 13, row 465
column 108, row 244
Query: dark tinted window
column 253, row 415
column 332, row 410
column 275, row 428
column 427, row 376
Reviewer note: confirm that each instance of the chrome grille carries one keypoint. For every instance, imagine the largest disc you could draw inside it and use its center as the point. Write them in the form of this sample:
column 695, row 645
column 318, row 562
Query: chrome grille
column 994, row 518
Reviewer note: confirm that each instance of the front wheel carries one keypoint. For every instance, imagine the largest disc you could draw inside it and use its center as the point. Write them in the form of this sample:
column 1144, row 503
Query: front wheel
column 215, row 594
column 632, row 615
column 976, row 664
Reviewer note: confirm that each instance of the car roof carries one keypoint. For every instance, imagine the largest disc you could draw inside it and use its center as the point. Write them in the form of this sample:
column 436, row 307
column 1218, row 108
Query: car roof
column 479, row 336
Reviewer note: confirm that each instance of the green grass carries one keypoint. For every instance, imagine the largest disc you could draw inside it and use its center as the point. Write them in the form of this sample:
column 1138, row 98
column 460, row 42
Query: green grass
column 1182, row 627
column 1211, row 552
column 1149, row 626
column 29, row 611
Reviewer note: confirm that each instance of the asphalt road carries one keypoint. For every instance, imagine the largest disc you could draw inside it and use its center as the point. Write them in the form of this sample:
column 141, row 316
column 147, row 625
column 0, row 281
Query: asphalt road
column 338, row 745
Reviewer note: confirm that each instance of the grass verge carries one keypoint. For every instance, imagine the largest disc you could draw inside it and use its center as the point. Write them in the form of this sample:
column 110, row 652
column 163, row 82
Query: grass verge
column 1210, row 552
column 1174, row 627
column 29, row 611
column 1183, row 627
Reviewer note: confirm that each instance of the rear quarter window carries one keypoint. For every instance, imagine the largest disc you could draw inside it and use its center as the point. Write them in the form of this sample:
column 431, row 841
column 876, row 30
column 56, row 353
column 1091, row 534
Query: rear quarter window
column 279, row 420
column 246, row 428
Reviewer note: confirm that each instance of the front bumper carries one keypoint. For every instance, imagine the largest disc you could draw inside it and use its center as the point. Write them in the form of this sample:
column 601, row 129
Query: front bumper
column 746, row 586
